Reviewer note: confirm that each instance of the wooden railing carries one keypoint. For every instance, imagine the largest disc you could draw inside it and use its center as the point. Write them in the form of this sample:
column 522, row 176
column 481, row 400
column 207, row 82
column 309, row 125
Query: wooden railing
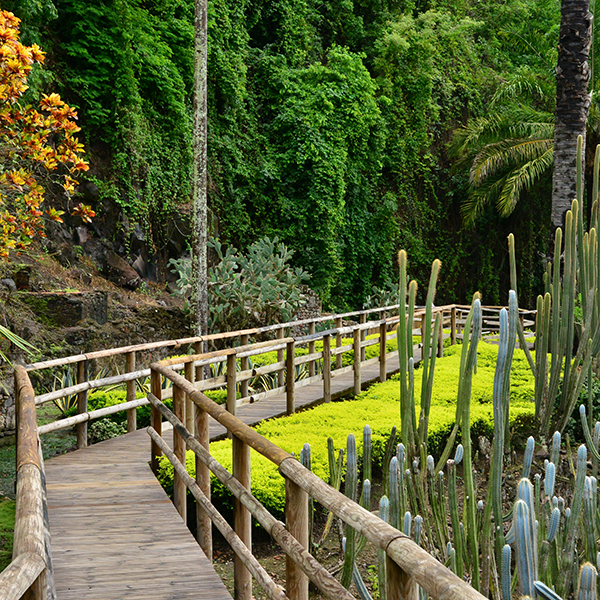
column 236, row 359
column 29, row 575
column 408, row 566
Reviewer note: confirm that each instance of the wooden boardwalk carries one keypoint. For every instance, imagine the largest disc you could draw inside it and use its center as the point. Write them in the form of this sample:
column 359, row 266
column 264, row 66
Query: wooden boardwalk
column 115, row 533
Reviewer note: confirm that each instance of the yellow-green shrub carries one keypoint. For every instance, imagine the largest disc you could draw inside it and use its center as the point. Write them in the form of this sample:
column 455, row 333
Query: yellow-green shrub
column 379, row 406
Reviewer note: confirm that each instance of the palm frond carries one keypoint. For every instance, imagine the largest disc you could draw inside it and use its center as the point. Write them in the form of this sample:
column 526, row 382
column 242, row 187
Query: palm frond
column 18, row 341
column 523, row 178
column 506, row 154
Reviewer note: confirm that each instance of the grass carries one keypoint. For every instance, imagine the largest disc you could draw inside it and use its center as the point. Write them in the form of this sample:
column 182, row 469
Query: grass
column 7, row 525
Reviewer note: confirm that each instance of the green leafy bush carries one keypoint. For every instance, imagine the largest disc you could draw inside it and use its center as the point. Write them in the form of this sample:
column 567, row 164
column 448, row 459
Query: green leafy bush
column 378, row 406
column 104, row 429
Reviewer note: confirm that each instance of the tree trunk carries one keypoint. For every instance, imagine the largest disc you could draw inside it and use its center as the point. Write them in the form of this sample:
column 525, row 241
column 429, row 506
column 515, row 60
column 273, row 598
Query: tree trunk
column 199, row 170
column 572, row 102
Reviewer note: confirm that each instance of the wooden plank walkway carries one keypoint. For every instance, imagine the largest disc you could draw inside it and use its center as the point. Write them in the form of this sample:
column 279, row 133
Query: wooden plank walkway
column 115, row 533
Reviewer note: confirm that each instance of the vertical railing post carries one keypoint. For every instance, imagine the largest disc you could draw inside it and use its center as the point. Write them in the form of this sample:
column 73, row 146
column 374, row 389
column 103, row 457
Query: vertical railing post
column 453, row 326
column 231, row 383
column 155, row 419
column 290, row 379
column 363, row 336
column 280, row 358
column 242, row 519
column 440, row 348
column 82, row 404
column 189, row 374
column 132, row 412
column 383, row 351
column 198, row 346
column 296, row 520
column 327, row 368
column 399, row 585
column 311, row 350
column 357, row 382
column 179, row 489
column 244, row 364
column 338, row 343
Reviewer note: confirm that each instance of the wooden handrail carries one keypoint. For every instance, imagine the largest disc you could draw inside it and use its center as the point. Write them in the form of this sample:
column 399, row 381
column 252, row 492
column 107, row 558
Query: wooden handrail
column 30, row 570
column 438, row 581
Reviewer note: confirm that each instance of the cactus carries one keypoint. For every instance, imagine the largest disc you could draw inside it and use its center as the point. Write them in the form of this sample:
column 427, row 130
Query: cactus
column 367, row 453
column 528, row 456
column 394, row 493
column 350, row 491
column 384, row 507
column 524, row 548
column 545, row 592
column 506, row 578
column 587, row 582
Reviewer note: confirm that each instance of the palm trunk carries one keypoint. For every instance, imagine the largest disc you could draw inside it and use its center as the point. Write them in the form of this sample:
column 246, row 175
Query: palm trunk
column 572, row 102
column 199, row 170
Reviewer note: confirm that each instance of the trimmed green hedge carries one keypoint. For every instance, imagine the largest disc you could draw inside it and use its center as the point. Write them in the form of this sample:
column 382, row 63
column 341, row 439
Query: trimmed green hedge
column 379, row 406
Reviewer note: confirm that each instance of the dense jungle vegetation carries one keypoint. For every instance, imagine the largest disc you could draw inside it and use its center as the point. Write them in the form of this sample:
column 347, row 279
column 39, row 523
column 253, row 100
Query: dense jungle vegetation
column 330, row 126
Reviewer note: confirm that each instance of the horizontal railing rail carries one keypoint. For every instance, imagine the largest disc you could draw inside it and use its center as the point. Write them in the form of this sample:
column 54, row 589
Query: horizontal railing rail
column 233, row 365
column 408, row 565
column 30, row 572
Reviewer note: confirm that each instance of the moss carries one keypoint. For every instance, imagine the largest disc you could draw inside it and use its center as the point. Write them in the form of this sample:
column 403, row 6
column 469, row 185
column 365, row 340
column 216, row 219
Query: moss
column 379, row 406
column 7, row 526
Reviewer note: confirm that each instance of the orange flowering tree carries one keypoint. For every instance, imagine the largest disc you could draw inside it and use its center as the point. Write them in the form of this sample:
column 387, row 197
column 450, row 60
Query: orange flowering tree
column 36, row 145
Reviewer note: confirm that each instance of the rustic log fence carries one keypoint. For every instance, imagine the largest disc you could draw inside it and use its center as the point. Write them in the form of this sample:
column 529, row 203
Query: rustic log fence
column 29, row 575
column 233, row 369
column 408, row 565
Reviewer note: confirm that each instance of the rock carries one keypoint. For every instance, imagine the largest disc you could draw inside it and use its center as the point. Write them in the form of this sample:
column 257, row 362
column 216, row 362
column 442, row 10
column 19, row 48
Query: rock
column 120, row 272
column 139, row 264
column 67, row 309
column 22, row 277
column 81, row 235
column 8, row 284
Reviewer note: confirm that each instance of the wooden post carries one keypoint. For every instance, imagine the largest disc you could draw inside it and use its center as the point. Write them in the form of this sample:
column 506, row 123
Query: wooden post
column 280, row 357
column 203, row 522
column 357, row 362
column 296, row 520
column 179, row 489
column 231, row 383
column 440, row 348
column 242, row 519
column 311, row 350
column 399, row 586
column 338, row 343
column 198, row 348
column 363, row 336
column 382, row 352
column 244, row 364
column 290, row 382
column 188, row 371
column 82, row 398
column 453, row 326
column 327, row 368
column 132, row 412
column 156, row 419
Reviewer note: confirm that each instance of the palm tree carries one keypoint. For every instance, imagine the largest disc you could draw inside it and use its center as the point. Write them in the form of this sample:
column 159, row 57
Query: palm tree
column 509, row 149
column 572, row 101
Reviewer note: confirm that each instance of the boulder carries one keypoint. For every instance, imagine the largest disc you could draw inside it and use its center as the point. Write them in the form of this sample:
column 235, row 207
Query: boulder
column 121, row 272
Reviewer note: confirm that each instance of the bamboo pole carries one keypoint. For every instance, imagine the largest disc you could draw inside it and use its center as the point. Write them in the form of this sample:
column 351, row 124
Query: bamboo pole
column 453, row 326
column 132, row 412
column 311, row 350
column 290, row 378
column 327, row 368
column 203, row 526
column 82, row 376
column 440, row 348
column 296, row 518
column 179, row 490
column 280, row 358
column 382, row 352
column 155, row 418
column 242, row 519
column 357, row 382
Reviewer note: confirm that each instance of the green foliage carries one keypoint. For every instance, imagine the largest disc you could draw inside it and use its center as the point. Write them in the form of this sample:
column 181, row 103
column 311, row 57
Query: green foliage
column 7, row 525
column 104, row 429
column 379, row 407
